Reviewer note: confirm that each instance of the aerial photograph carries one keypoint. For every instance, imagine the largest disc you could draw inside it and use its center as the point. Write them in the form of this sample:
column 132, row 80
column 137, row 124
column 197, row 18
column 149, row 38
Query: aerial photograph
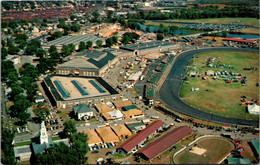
column 130, row 82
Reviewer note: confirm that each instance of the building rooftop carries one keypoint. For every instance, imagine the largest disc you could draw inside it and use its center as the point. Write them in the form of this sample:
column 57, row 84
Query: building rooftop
column 82, row 108
column 93, row 137
column 72, row 90
column 159, row 145
column 107, row 135
column 121, row 130
column 147, row 45
column 142, row 135
column 74, row 40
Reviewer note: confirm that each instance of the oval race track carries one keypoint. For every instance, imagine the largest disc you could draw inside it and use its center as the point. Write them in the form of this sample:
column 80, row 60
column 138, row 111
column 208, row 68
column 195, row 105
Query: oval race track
column 169, row 92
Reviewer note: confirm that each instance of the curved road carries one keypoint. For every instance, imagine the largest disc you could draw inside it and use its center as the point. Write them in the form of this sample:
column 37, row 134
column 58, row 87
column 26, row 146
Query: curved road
column 169, row 92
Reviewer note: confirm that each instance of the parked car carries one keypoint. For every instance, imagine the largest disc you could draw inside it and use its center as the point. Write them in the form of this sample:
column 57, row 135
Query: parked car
column 95, row 152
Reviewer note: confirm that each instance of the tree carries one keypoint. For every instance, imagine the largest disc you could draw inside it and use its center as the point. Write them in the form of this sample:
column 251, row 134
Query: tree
column 29, row 70
column 115, row 39
column 99, row 43
column 24, row 117
column 69, row 128
column 147, row 29
column 22, row 44
column 13, row 77
column 13, row 49
column 75, row 27
column 55, row 55
column 53, row 48
column 159, row 36
column 82, row 46
column 4, row 53
column 26, row 82
column 16, row 89
column 32, row 47
column 109, row 42
column 89, row 44
column 41, row 53
column 41, row 113
column 65, row 50
column 8, row 156
column 72, row 48
column 126, row 39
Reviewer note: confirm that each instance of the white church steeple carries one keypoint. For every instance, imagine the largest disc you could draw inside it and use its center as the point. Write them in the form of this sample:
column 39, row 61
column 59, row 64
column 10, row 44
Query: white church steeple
column 43, row 134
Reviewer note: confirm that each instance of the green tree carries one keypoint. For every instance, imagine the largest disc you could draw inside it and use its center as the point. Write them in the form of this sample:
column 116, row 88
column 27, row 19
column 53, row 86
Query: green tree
column 16, row 89
column 72, row 48
column 53, row 48
column 159, row 36
column 69, row 128
column 89, row 44
column 75, row 27
column 99, row 43
column 82, row 46
column 13, row 49
column 4, row 53
column 8, row 156
column 115, row 39
column 26, row 82
column 41, row 113
column 29, row 70
column 65, row 50
column 22, row 44
column 13, row 77
column 41, row 53
column 24, row 117
column 109, row 42
column 147, row 29
column 55, row 55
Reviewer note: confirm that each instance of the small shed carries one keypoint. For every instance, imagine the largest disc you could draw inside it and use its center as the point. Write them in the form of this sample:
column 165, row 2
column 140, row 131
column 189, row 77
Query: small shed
column 253, row 109
column 122, row 103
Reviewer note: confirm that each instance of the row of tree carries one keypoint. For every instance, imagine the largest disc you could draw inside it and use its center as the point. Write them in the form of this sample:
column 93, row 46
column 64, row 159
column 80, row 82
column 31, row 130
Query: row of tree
column 7, row 148
column 198, row 13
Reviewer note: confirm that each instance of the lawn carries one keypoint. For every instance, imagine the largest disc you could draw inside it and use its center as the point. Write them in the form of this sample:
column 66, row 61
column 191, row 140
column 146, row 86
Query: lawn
column 216, row 149
column 218, row 97
column 67, row 115
column 23, row 144
column 244, row 21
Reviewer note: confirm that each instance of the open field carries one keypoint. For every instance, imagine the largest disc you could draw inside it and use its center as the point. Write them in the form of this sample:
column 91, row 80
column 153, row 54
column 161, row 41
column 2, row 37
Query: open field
column 215, row 150
column 244, row 21
column 218, row 97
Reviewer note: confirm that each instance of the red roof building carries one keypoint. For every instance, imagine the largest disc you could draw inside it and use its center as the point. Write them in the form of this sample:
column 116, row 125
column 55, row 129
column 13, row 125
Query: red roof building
column 161, row 144
column 239, row 40
column 141, row 137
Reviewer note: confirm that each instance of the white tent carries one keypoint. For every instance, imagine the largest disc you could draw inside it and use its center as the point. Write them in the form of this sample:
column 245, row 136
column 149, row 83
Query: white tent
column 253, row 109
column 116, row 114
column 135, row 76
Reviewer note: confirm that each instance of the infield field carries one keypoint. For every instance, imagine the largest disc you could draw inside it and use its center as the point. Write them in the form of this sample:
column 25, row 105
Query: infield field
column 219, row 97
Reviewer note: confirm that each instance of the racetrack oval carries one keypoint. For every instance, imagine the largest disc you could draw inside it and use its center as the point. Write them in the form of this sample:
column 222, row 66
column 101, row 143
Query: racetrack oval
column 169, row 92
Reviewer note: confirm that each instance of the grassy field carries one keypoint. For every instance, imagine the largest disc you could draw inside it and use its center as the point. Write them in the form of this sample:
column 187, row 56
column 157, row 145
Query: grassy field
column 218, row 97
column 244, row 21
column 216, row 149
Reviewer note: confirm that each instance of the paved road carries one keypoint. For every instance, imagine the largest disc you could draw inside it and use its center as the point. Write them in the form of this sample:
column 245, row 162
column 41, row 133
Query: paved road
column 169, row 92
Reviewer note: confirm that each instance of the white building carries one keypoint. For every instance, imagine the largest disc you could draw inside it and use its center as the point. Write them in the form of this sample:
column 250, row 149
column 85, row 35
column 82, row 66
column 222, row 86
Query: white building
column 82, row 111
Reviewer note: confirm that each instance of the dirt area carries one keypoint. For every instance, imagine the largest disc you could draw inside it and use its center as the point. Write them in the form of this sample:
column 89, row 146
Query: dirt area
column 198, row 151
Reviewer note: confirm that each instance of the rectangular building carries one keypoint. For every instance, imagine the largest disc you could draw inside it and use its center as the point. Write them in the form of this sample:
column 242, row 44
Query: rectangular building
column 164, row 142
column 136, row 141
column 62, row 92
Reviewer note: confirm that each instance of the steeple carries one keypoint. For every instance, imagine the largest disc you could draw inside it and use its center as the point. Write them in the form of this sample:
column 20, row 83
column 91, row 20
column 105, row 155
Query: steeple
column 43, row 134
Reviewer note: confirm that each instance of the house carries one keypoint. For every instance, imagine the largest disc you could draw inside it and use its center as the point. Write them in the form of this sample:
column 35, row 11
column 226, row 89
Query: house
column 82, row 111
column 39, row 99
column 135, row 126
column 93, row 138
column 121, row 131
column 133, row 113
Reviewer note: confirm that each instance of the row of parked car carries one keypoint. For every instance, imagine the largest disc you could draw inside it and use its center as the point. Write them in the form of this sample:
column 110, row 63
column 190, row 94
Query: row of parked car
column 106, row 145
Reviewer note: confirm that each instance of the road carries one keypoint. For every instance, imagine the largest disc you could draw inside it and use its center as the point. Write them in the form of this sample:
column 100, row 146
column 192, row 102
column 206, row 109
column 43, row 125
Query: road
column 169, row 92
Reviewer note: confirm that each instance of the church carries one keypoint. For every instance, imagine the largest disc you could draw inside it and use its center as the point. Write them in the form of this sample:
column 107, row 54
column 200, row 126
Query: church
column 41, row 142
